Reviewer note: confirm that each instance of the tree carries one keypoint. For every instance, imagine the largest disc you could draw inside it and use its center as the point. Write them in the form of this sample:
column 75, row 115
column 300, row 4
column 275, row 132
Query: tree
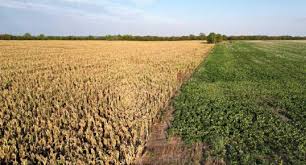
column 41, row 37
column 90, row 37
column 5, row 37
column 211, row 38
column 215, row 38
column 27, row 36
column 192, row 37
column 219, row 38
column 224, row 37
column 202, row 36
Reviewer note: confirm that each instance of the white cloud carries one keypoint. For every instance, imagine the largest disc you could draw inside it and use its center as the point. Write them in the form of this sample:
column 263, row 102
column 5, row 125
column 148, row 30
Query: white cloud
column 111, row 10
column 88, row 17
column 51, row 9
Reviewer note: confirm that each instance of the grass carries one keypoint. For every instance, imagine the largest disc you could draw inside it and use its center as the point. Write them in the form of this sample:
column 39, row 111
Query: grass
column 86, row 102
column 247, row 102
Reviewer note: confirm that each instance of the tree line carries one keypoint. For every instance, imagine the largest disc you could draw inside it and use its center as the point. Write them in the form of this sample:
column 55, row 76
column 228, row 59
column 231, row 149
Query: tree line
column 263, row 37
column 211, row 38
column 28, row 36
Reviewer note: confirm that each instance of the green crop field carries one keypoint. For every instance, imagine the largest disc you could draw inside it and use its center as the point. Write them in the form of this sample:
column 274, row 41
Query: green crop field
column 246, row 102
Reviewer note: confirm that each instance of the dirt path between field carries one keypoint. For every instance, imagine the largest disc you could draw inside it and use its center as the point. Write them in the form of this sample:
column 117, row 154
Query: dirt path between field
column 161, row 149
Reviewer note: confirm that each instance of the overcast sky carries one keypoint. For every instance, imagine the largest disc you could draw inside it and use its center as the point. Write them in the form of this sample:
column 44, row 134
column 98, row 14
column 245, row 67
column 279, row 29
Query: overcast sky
column 153, row 17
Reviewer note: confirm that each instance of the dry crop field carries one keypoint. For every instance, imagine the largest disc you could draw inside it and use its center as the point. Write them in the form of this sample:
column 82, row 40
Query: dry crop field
column 86, row 101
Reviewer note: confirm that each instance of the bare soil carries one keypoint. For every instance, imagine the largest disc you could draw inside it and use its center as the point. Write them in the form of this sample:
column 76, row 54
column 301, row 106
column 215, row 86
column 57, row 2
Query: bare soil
column 162, row 149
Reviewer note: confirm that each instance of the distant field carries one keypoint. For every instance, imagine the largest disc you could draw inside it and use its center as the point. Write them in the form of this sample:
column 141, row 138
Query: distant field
column 84, row 102
column 247, row 103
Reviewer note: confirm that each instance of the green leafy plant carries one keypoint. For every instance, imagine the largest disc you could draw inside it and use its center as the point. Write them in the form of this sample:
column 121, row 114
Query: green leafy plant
column 247, row 101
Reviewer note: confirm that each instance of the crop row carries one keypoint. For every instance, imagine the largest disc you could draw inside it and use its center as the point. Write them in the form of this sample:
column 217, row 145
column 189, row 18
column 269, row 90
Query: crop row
column 247, row 102
column 86, row 102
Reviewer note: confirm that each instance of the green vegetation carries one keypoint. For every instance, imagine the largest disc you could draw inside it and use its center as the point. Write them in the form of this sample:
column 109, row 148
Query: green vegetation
column 261, row 37
column 211, row 38
column 215, row 38
column 247, row 102
column 28, row 36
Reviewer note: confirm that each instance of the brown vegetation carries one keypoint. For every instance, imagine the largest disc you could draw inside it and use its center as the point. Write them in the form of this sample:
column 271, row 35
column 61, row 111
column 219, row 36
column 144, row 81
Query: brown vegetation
column 85, row 102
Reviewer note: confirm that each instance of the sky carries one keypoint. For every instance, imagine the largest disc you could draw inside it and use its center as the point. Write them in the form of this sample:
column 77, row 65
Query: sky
column 153, row 17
